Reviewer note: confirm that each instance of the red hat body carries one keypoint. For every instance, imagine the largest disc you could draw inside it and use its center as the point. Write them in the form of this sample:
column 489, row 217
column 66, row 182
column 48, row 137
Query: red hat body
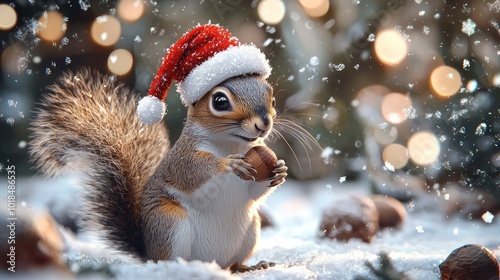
column 200, row 60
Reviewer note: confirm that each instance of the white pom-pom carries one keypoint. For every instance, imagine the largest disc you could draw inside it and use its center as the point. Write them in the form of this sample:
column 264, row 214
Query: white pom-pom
column 150, row 109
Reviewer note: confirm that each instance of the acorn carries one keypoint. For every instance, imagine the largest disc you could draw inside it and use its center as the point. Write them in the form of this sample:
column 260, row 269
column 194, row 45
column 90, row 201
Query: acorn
column 352, row 217
column 263, row 160
column 392, row 212
column 470, row 262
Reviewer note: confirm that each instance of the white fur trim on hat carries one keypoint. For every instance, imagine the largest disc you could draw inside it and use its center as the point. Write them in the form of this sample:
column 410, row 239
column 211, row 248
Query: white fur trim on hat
column 151, row 109
column 232, row 62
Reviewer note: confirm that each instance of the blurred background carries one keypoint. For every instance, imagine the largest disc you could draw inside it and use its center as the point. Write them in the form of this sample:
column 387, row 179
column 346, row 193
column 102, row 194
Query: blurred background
column 402, row 94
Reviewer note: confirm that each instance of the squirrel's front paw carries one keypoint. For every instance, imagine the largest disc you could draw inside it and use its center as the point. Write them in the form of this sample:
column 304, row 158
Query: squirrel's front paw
column 280, row 173
column 239, row 165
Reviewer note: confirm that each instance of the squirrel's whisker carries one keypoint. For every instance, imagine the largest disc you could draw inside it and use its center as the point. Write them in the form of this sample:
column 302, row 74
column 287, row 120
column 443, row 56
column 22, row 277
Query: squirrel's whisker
column 290, row 147
column 300, row 104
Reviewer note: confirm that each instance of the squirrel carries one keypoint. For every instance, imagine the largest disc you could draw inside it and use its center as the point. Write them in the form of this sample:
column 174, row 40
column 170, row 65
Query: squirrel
column 196, row 200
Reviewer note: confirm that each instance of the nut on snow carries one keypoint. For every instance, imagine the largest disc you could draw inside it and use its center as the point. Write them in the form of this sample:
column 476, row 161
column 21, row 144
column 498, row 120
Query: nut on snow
column 470, row 262
column 391, row 212
column 353, row 217
column 263, row 160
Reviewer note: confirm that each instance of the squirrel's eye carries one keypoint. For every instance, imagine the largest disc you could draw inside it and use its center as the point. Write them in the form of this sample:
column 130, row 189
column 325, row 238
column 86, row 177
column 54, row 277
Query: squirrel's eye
column 221, row 102
column 273, row 102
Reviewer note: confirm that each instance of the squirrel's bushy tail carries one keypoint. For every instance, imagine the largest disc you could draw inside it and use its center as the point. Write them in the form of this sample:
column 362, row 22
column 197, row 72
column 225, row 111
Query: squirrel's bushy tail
column 87, row 123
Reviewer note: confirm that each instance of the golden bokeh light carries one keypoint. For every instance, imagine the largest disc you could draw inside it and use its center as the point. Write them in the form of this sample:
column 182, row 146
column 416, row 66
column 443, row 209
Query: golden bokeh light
column 120, row 62
column 396, row 155
column 394, row 107
column 9, row 58
column 423, row 148
column 51, row 26
column 8, row 17
column 495, row 80
column 105, row 30
column 445, row 81
column 390, row 47
column 271, row 11
column 130, row 10
column 315, row 8
column 367, row 103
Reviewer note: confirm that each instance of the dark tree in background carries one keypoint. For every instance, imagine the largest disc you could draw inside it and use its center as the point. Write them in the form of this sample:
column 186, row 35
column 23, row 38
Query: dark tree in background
column 404, row 93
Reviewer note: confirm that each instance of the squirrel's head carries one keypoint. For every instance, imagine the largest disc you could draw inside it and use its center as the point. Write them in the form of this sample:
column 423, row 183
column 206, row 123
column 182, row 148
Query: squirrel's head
column 239, row 109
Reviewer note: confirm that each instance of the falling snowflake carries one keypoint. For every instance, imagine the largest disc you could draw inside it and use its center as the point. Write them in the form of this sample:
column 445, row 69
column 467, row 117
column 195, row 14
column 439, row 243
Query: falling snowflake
column 101, row 19
column 342, row 179
column 64, row 41
column 487, row 217
column 327, row 152
column 84, row 5
column 494, row 6
column 481, row 129
column 329, row 24
column 410, row 112
column 466, row 64
column 389, row 166
column 337, row 67
column 495, row 25
column 314, row 61
column 426, row 30
column 267, row 42
column 270, row 29
column 469, row 27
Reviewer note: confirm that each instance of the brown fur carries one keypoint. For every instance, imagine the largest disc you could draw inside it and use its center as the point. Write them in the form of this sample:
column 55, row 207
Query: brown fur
column 135, row 185
column 87, row 122
column 185, row 168
column 173, row 208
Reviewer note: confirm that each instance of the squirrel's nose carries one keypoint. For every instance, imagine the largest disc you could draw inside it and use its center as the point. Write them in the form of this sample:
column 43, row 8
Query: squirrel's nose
column 262, row 120
column 263, row 123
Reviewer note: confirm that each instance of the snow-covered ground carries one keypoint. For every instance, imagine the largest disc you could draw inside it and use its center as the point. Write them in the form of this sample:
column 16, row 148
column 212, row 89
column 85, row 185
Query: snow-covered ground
column 424, row 241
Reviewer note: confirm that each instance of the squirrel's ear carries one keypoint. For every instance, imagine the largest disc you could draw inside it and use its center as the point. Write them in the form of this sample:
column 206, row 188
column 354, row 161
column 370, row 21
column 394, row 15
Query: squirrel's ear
column 194, row 104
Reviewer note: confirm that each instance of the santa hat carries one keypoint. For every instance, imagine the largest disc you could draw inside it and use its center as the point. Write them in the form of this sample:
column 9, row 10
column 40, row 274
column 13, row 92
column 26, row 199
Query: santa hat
column 201, row 59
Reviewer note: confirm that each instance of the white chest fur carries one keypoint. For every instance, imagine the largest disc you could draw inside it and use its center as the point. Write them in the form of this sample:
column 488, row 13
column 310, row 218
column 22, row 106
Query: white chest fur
column 221, row 224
